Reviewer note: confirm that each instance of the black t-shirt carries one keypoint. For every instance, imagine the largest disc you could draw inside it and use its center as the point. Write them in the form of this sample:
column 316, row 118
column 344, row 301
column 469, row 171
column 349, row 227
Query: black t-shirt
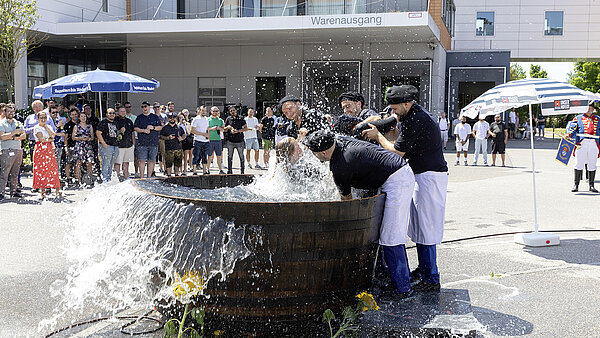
column 237, row 123
column 109, row 132
column 94, row 121
column 126, row 138
column 498, row 128
column 541, row 120
column 268, row 129
column 312, row 120
column 175, row 130
column 419, row 138
column 361, row 164
column 69, row 134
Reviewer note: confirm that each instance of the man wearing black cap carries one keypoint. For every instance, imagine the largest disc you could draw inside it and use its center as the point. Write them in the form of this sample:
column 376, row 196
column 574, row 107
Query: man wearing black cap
column 585, row 128
column 364, row 165
column 420, row 143
column 303, row 122
column 352, row 104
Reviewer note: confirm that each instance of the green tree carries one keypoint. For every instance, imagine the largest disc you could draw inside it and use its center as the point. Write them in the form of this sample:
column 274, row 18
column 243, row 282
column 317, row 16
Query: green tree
column 586, row 76
column 17, row 18
column 536, row 71
column 517, row 72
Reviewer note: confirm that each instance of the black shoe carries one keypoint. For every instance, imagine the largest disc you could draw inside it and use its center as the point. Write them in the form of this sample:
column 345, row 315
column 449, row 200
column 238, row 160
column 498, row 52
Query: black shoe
column 403, row 296
column 16, row 195
column 593, row 189
column 575, row 188
column 592, row 176
column 1, row 197
column 578, row 176
column 424, row 286
column 415, row 276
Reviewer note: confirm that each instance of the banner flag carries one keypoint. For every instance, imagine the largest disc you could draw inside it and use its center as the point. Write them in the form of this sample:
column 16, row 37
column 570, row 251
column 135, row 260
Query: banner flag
column 565, row 149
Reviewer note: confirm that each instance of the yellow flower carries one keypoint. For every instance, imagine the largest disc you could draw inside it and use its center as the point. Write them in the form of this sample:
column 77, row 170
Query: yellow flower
column 179, row 291
column 368, row 300
column 191, row 283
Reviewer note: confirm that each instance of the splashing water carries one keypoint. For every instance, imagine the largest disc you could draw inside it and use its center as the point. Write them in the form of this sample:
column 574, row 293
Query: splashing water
column 122, row 244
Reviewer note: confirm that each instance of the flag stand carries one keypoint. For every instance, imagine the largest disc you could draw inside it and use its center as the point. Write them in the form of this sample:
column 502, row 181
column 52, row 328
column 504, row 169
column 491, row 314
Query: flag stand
column 535, row 238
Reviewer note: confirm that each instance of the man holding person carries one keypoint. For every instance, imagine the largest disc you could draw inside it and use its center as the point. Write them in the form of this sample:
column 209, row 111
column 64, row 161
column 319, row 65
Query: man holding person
column 363, row 165
column 499, row 133
column 480, row 133
column 234, row 128
column 251, row 138
column 462, row 131
column 201, row 141
column 173, row 135
column 11, row 154
column 215, row 144
column 109, row 138
column 148, row 127
column 303, row 122
column 585, row 128
column 126, row 144
column 267, row 128
column 419, row 142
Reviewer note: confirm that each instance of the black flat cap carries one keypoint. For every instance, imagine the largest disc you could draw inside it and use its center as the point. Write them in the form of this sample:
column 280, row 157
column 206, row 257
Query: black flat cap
column 351, row 96
column 290, row 97
column 320, row 140
column 401, row 94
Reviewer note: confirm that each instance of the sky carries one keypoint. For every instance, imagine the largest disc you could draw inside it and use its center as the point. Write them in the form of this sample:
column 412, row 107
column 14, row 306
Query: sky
column 556, row 70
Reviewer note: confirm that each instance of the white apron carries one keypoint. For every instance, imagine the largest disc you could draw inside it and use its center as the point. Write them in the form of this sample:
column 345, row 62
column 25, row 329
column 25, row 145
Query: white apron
column 428, row 208
column 398, row 188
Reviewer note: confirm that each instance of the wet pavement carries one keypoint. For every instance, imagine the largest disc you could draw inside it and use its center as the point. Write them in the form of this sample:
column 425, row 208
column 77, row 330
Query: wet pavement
column 490, row 285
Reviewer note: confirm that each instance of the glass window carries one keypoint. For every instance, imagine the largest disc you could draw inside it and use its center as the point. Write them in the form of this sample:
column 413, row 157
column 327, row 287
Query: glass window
column 320, row 7
column 56, row 70
column 212, row 92
column 36, row 69
column 553, row 24
column 105, row 6
column 278, row 8
column 485, row 24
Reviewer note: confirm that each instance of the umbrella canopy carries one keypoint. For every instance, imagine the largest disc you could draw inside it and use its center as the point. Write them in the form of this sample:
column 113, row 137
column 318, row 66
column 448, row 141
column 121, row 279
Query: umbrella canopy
column 95, row 81
column 556, row 98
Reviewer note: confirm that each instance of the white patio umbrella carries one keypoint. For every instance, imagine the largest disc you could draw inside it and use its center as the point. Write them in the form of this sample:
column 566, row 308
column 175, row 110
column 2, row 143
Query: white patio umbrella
column 564, row 98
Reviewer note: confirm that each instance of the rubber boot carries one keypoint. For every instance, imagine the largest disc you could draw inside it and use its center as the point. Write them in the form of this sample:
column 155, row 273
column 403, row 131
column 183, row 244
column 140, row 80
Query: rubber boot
column 592, row 177
column 578, row 175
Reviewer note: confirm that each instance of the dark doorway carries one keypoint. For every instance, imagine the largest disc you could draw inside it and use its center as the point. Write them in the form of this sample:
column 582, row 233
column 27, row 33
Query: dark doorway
column 324, row 81
column 398, row 80
column 269, row 90
column 469, row 91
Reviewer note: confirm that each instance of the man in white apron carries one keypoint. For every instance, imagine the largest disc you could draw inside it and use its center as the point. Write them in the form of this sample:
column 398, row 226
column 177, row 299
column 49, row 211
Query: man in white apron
column 363, row 165
column 420, row 143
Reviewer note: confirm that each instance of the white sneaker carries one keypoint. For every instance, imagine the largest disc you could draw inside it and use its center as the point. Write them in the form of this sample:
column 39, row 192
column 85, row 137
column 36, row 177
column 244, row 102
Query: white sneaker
column 457, row 163
column 475, row 164
column 466, row 164
column 250, row 166
column 257, row 166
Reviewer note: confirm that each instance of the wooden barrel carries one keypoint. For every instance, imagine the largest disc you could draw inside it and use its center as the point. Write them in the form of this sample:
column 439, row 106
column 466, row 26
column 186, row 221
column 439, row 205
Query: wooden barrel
column 306, row 257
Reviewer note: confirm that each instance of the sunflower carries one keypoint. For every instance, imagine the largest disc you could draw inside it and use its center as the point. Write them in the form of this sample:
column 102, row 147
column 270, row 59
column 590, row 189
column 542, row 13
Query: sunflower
column 368, row 301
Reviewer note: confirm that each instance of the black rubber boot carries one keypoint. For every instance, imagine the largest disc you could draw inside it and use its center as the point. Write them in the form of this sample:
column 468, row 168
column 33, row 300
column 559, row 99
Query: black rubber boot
column 592, row 177
column 578, row 175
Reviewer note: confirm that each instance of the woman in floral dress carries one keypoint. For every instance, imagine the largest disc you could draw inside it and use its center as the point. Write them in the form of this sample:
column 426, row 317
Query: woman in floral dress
column 83, row 135
column 45, row 167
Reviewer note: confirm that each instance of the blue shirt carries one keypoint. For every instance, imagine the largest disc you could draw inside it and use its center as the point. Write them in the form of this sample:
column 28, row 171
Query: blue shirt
column 419, row 138
column 142, row 122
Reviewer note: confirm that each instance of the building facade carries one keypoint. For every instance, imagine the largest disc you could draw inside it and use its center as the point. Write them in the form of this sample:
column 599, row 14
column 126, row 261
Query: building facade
column 253, row 52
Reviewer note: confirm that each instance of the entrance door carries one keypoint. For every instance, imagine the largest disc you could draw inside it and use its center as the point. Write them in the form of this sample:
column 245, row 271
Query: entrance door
column 269, row 90
column 394, row 73
column 323, row 82
column 469, row 91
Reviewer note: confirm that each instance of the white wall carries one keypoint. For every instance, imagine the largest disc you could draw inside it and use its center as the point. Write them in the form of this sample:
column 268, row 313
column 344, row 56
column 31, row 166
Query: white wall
column 519, row 27
column 178, row 68
column 55, row 11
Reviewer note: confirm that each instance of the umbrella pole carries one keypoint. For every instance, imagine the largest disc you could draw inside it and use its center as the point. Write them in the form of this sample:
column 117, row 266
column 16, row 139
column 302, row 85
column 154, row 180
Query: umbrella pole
column 533, row 171
column 100, row 100
column 535, row 238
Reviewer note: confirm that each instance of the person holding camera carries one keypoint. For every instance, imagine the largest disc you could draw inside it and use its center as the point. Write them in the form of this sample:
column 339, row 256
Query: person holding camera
column 11, row 154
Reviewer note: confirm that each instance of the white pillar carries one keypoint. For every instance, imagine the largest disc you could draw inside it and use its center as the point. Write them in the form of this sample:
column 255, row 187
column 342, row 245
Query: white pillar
column 20, row 75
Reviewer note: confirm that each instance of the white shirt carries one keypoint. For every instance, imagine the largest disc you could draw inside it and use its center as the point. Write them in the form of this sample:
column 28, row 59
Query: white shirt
column 462, row 130
column 40, row 129
column 481, row 129
column 512, row 116
column 200, row 123
column 443, row 123
column 252, row 123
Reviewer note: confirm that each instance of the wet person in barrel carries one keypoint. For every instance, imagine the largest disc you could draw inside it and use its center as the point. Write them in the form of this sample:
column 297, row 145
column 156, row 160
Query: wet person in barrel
column 420, row 143
column 303, row 121
column 363, row 165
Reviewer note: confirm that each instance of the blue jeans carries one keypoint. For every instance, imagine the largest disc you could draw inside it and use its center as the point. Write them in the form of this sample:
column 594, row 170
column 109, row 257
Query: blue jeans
column 199, row 153
column 109, row 156
column 428, row 270
column 397, row 262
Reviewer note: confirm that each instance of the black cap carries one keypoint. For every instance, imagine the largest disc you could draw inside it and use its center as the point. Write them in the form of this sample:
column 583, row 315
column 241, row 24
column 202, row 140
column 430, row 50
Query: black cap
column 290, row 97
column 401, row 94
column 320, row 140
column 172, row 115
column 145, row 103
column 351, row 96
column 345, row 124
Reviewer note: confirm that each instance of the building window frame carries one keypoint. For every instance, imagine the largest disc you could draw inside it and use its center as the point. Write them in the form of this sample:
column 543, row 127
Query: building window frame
column 105, row 6
column 548, row 30
column 483, row 30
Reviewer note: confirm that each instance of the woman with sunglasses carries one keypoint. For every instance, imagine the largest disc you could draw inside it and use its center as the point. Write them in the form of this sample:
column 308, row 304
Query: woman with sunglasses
column 45, row 167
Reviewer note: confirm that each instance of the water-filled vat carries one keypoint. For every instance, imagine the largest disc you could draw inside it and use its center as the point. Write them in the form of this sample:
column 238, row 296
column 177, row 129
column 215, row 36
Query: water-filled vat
column 305, row 257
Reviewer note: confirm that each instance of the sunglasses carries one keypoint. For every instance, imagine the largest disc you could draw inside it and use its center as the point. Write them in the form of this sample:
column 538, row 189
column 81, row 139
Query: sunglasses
column 144, row 106
column 127, row 106
column 110, row 112
column 156, row 107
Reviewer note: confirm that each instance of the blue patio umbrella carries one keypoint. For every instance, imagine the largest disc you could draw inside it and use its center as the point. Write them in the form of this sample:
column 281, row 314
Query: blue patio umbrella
column 95, row 81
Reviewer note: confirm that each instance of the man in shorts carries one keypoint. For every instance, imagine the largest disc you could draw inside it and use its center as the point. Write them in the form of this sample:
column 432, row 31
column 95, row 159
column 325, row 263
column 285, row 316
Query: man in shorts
column 251, row 138
column 126, row 143
column 462, row 132
column 148, row 127
column 499, row 133
column 215, row 131
column 172, row 134
column 267, row 128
